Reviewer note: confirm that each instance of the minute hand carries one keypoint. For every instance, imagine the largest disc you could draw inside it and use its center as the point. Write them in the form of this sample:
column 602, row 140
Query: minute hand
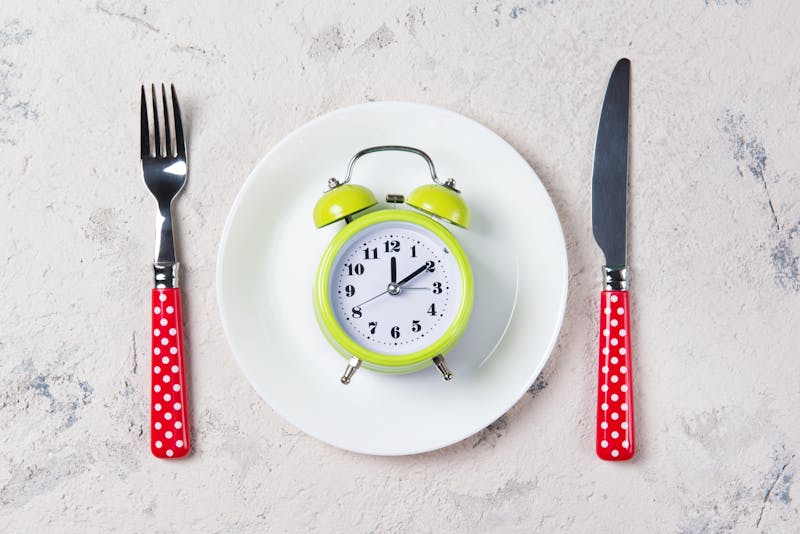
column 412, row 275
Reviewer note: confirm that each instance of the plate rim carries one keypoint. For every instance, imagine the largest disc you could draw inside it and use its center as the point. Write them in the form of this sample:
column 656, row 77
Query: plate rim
column 249, row 183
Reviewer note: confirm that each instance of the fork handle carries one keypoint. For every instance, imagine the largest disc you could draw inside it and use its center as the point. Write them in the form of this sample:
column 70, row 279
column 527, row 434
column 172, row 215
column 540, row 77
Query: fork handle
column 169, row 417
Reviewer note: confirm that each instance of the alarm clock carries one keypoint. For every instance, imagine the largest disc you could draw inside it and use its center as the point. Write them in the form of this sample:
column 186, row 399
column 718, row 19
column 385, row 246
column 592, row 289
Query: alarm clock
column 394, row 289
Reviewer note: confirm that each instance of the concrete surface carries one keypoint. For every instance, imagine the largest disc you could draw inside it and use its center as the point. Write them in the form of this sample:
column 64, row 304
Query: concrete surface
column 714, row 251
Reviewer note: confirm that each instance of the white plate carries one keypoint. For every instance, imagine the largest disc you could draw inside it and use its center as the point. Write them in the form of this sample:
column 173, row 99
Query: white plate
column 270, row 250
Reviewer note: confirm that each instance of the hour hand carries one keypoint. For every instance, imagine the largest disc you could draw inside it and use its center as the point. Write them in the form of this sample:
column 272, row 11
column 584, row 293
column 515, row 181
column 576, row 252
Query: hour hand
column 415, row 273
column 394, row 270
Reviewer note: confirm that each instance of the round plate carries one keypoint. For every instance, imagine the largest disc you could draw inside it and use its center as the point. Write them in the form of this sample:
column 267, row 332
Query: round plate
column 270, row 250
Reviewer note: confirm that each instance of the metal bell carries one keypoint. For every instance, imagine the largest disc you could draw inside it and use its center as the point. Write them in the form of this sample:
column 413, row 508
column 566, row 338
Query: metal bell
column 342, row 201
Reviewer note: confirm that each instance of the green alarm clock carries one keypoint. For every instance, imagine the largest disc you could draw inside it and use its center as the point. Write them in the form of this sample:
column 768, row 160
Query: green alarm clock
column 394, row 290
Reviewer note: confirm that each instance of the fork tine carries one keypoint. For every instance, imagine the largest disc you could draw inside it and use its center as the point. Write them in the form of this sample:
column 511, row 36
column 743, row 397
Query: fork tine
column 167, row 138
column 180, row 143
column 145, row 130
column 155, row 121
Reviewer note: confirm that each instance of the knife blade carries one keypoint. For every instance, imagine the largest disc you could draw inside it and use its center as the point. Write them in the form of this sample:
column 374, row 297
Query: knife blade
column 615, row 422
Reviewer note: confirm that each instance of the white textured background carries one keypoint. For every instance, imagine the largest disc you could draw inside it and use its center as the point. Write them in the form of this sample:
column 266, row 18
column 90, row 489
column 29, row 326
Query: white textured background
column 714, row 248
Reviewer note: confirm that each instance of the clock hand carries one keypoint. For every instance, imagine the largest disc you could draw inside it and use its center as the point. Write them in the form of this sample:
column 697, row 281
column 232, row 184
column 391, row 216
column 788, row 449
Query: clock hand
column 373, row 298
column 413, row 275
column 394, row 270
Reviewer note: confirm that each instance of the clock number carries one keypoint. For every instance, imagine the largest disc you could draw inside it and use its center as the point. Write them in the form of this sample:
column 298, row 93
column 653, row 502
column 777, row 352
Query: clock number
column 415, row 326
column 350, row 290
column 355, row 269
column 391, row 246
column 437, row 288
column 430, row 266
column 356, row 312
column 370, row 253
column 395, row 332
column 432, row 310
column 413, row 251
column 372, row 326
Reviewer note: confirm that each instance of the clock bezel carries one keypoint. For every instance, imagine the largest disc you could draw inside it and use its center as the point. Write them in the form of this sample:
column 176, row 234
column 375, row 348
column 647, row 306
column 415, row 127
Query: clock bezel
column 348, row 346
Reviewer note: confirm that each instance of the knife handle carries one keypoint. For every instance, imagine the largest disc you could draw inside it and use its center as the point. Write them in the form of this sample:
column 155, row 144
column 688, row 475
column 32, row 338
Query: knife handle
column 615, row 428
column 169, row 418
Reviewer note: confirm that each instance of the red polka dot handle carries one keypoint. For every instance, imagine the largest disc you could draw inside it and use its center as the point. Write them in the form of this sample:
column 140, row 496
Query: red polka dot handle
column 615, row 432
column 169, row 418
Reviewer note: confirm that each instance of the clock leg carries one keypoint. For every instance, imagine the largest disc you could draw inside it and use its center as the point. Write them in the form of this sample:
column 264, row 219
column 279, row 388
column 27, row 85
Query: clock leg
column 439, row 362
column 352, row 367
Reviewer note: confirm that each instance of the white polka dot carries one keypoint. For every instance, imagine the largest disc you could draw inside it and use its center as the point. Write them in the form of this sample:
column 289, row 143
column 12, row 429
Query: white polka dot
column 157, row 407
column 158, row 444
column 164, row 341
column 620, row 310
column 156, row 369
column 173, row 350
column 615, row 453
column 156, row 332
column 604, row 369
column 157, row 388
column 624, row 407
column 604, row 406
column 167, row 379
column 172, row 331
column 614, row 341
column 179, row 443
column 162, row 297
column 614, row 298
column 625, row 443
column 175, row 368
column 168, row 434
column 614, row 360
column 604, row 425
column 622, row 351
column 157, row 426
column 178, row 424
column 614, row 416
column 622, row 332
column 614, row 397
column 165, row 360
column 614, row 434
column 604, row 388
column 623, row 369
column 156, row 310
column 177, row 406
column 614, row 322
column 167, row 416
column 606, row 350
column 624, row 425
column 176, row 387
column 614, row 378
column 167, row 397
column 604, row 444
column 170, row 309
column 624, row 388
column 157, row 351
column 606, row 332
column 170, row 453
column 607, row 311
column 163, row 322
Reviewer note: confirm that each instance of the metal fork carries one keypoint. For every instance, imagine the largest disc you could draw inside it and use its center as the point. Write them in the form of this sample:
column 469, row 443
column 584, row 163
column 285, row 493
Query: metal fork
column 164, row 167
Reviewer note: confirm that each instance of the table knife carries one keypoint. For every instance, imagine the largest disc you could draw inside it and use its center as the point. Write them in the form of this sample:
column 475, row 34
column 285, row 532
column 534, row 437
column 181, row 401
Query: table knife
column 615, row 422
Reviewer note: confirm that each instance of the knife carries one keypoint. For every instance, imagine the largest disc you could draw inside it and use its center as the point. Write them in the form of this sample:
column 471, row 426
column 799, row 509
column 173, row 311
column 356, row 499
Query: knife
column 615, row 424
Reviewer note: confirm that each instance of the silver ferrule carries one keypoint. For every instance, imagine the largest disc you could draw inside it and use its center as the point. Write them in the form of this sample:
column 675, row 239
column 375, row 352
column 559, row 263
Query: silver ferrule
column 166, row 275
column 615, row 277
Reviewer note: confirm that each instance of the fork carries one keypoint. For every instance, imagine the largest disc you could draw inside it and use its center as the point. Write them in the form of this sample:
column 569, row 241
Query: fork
column 164, row 167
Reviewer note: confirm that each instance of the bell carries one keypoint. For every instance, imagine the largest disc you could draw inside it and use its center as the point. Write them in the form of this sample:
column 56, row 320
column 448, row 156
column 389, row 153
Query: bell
column 342, row 201
column 443, row 201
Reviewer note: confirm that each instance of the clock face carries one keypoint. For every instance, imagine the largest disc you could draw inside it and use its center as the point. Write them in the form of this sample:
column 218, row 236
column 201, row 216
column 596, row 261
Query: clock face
column 395, row 288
